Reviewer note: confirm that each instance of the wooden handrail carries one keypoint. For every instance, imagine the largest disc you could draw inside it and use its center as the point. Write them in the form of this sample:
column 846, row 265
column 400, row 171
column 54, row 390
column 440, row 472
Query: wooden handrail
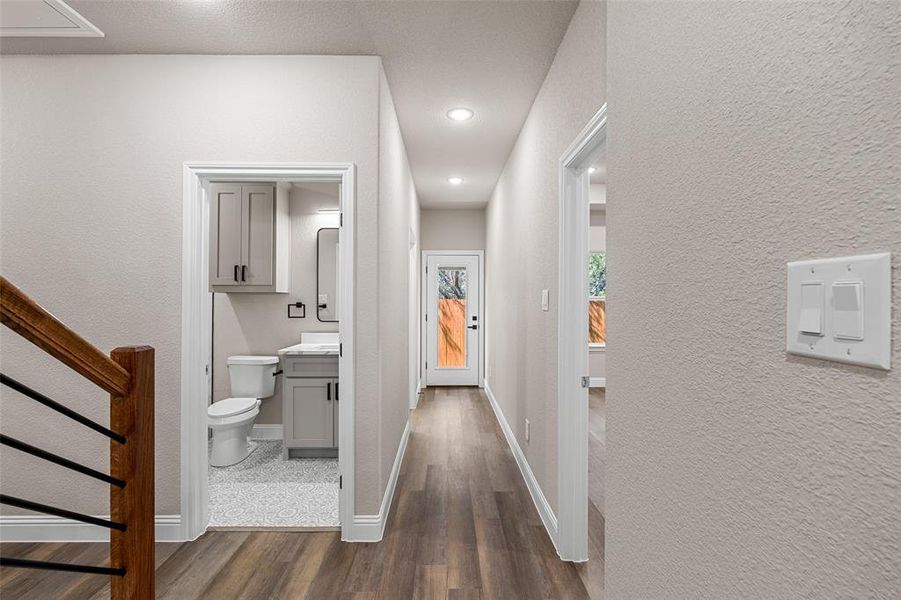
column 27, row 318
column 128, row 375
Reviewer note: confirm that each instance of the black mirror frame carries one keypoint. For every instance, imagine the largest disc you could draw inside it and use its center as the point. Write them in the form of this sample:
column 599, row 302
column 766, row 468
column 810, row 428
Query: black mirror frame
column 318, row 233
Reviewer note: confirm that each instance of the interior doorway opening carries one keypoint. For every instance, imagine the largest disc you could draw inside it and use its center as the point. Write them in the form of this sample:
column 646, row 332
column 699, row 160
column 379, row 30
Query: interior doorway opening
column 200, row 273
column 582, row 347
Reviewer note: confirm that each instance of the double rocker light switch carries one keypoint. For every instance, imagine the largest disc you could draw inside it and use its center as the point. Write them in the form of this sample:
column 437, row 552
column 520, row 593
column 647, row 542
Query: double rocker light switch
column 812, row 308
column 840, row 309
column 847, row 310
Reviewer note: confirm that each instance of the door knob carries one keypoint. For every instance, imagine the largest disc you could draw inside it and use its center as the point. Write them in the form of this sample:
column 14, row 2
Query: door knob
column 473, row 327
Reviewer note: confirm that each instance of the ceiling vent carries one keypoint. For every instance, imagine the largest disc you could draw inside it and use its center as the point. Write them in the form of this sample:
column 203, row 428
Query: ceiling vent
column 43, row 18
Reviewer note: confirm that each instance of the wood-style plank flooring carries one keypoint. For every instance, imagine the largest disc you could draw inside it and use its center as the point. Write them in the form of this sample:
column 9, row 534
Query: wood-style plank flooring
column 462, row 526
column 593, row 570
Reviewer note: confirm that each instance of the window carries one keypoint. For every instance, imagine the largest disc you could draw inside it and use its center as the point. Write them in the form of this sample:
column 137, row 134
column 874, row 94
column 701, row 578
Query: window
column 451, row 317
column 597, row 298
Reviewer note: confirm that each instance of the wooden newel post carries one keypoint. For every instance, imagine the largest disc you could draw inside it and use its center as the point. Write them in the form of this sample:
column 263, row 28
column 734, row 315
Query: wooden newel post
column 132, row 416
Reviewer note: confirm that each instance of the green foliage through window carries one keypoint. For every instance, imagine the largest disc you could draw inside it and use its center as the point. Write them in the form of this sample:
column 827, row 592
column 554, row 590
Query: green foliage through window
column 597, row 275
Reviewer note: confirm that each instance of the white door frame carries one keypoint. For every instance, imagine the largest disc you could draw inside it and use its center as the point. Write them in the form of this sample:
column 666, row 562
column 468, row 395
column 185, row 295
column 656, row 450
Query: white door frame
column 424, row 302
column 572, row 349
column 196, row 340
column 413, row 334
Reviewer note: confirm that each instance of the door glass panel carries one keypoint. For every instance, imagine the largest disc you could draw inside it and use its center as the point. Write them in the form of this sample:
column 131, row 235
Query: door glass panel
column 451, row 317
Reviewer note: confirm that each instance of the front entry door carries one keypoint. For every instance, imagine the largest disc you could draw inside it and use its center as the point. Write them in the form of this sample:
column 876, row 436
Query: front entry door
column 453, row 319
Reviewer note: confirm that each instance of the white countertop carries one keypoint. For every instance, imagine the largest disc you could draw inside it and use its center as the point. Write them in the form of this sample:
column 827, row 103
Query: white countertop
column 321, row 343
column 307, row 349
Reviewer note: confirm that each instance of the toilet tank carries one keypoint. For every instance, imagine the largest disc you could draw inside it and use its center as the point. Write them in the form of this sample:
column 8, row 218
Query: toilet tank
column 252, row 376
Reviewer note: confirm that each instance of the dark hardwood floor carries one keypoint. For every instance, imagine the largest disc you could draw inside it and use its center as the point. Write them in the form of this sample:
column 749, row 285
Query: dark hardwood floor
column 462, row 526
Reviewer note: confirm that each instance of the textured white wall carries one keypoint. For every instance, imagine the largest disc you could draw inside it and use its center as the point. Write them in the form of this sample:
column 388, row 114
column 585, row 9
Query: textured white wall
column 744, row 135
column 597, row 194
column 452, row 229
column 398, row 207
column 92, row 151
column 522, row 243
column 259, row 323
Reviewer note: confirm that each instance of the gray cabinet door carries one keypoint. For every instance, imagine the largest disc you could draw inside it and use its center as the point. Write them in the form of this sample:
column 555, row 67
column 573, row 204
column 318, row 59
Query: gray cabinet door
column 226, row 232
column 309, row 413
column 258, row 245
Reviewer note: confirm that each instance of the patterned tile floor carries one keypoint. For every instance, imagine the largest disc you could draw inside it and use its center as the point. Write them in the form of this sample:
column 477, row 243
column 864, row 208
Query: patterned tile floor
column 265, row 490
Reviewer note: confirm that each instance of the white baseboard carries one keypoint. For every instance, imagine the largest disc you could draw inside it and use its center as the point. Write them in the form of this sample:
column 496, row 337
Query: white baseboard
column 371, row 528
column 541, row 504
column 597, row 382
column 267, row 432
column 32, row 528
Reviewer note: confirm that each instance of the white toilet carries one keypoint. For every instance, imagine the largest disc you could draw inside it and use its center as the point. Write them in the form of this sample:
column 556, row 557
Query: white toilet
column 252, row 378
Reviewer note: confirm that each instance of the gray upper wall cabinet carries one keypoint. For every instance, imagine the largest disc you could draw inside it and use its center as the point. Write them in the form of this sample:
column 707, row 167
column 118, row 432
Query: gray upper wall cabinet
column 250, row 242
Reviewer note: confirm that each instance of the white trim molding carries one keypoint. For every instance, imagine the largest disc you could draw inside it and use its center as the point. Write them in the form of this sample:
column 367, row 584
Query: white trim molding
column 80, row 27
column 197, row 325
column 371, row 528
column 413, row 318
column 267, row 432
column 597, row 382
column 32, row 528
column 572, row 329
column 541, row 504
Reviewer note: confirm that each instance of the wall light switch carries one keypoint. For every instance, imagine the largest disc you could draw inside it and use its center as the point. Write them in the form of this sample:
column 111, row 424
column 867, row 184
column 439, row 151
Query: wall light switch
column 545, row 300
column 847, row 310
column 840, row 309
column 528, row 429
column 813, row 305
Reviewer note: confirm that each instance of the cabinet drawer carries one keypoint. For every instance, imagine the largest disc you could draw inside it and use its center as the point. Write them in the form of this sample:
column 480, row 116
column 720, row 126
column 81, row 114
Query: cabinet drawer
column 311, row 366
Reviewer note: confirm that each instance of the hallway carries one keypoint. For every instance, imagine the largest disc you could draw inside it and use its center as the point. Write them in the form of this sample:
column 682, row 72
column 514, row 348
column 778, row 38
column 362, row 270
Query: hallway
column 462, row 525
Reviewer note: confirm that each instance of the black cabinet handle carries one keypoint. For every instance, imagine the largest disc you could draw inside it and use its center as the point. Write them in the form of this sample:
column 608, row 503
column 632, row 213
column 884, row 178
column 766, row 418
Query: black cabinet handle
column 328, row 391
column 336, row 392
column 243, row 272
column 236, row 272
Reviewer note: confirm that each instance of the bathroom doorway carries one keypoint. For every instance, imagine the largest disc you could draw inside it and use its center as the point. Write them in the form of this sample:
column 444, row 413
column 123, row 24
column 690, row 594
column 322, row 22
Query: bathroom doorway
column 275, row 356
column 265, row 316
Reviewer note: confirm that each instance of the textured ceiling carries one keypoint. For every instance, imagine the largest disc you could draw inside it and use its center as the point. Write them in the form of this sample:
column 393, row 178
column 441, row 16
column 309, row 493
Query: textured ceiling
column 489, row 56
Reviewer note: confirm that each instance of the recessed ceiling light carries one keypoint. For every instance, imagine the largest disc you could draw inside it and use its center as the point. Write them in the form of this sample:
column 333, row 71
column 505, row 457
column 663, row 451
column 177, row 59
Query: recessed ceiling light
column 592, row 170
column 459, row 114
column 455, row 180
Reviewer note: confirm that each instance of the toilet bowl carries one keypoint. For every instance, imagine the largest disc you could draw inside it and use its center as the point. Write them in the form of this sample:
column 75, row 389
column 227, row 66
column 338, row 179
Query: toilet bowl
column 231, row 420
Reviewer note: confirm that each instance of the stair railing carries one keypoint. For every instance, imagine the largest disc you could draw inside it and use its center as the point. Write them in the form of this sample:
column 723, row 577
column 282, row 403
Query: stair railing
column 128, row 375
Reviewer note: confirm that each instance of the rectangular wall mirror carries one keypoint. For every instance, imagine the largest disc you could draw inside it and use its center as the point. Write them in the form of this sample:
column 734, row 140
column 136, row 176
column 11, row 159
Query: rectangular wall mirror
column 327, row 275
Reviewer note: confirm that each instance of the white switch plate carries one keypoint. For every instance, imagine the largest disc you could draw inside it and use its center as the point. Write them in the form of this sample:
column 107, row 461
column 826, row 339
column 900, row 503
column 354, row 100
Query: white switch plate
column 873, row 274
column 545, row 300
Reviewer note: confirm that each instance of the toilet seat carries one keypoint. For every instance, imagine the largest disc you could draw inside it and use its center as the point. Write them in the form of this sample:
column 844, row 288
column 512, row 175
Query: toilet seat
column 231, row 407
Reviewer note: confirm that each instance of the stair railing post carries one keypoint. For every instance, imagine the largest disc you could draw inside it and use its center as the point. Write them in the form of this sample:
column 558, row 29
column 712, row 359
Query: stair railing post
column 132, row 416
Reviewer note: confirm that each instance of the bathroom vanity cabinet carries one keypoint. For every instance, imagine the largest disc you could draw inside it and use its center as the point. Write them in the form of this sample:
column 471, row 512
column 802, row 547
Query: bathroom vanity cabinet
column 250, row 245
column 310, row 397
